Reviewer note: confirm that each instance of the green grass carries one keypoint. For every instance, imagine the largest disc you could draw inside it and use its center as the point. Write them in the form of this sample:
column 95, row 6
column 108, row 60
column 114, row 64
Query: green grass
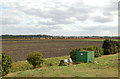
column 106, row 66
column 99, row 40
column 65, row 39
column 91, row 40
column 24, row 65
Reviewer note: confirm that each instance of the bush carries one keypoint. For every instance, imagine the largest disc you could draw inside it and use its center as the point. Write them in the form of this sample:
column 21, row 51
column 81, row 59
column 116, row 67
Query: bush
column 73, row 53
column 6, row 64
column 110, row 47
column 117, row 46
column 98, row 51
column 35, row 58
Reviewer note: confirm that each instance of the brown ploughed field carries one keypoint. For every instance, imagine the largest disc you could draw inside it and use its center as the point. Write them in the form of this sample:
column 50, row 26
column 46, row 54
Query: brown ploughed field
column 18, row 49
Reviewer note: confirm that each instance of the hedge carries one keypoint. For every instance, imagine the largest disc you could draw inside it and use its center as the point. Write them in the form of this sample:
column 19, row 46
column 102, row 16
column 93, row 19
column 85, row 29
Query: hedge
column 98, row 51
column 111, row 47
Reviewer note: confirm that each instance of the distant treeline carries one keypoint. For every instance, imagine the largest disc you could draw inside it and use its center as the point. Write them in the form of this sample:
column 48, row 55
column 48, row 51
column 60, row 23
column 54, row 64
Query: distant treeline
column 49, row 36
column 25, row 36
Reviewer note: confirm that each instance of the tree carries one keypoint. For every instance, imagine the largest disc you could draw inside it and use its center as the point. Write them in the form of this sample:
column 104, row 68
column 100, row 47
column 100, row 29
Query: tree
column 110, row 47
column 6, row 64
column 35, row 58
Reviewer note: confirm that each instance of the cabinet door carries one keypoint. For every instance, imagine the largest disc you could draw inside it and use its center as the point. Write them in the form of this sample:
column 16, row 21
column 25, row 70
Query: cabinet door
column 81, row 56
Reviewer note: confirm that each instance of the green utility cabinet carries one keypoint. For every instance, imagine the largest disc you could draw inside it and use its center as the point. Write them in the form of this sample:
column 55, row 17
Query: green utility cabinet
column 85, row 56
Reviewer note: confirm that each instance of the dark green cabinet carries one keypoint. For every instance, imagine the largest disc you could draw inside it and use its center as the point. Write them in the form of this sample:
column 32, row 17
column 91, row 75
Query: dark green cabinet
column 85, row 56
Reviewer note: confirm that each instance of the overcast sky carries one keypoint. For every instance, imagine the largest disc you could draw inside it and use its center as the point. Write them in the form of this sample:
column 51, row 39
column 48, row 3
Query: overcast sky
column 59, row 17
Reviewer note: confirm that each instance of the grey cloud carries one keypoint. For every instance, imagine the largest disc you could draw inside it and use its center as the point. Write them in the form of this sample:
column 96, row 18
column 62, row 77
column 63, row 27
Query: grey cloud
column 113, row 6
column 101, row 27
column 8, row 21
column 111, row 9
column 59, row 16
column 97, row 29
column 77, row 10
column 102, row 19
column 26, row 30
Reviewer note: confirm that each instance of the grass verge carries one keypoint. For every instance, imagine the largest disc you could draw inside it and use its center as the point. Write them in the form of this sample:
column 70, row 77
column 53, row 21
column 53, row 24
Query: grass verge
column 106, row 66
column 24, row 65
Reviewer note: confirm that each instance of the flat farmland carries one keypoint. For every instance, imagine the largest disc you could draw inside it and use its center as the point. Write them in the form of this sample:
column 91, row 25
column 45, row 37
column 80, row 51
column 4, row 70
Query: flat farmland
column 18, row 49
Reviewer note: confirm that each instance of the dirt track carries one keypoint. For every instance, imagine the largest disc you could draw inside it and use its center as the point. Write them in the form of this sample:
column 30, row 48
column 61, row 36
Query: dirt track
column 18, row 49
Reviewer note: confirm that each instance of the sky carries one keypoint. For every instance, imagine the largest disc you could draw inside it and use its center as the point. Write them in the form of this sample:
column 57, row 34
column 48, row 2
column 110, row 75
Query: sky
column 59, row 17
